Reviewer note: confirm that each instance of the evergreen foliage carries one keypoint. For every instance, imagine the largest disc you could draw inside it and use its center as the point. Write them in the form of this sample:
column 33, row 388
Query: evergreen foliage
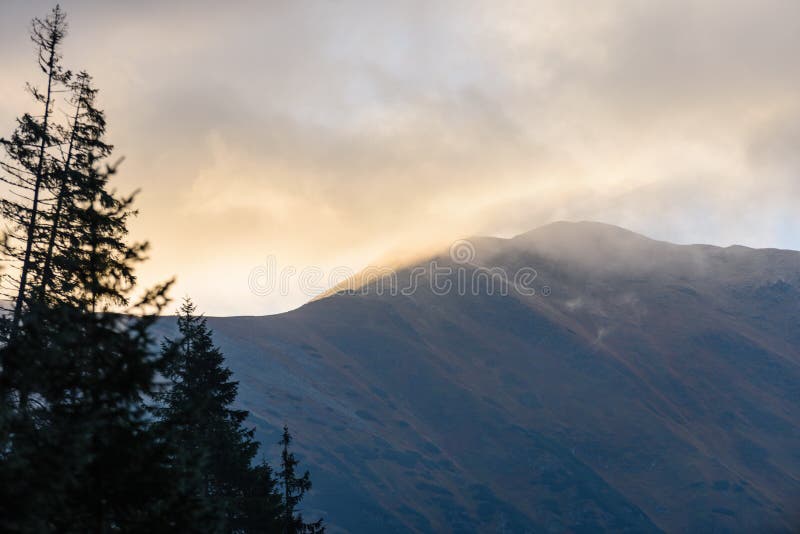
column 294, row 489
column 197, row 412
column 99, row 432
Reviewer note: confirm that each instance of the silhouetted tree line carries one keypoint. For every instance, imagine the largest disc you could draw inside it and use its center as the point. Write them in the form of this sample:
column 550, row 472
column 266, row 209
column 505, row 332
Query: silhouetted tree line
column 99, row 431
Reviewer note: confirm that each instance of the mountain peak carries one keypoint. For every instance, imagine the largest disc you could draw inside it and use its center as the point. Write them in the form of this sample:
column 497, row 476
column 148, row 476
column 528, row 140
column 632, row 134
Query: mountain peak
column 583, row 228
column 603, row 249
column 652, row 387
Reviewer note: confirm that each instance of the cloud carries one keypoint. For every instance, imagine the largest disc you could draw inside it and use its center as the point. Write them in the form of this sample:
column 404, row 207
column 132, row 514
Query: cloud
column 332, row 131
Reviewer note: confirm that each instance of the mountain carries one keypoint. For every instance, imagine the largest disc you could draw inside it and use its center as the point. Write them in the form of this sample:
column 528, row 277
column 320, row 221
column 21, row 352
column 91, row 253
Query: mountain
column 644, row 386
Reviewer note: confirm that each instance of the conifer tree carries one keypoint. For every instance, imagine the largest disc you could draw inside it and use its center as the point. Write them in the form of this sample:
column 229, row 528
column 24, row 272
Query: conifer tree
column 26, row 170
column 197, row 411
column 78, row 451
column 29, row 166
column 89, row 455
column 294, row 489
column 84, row 146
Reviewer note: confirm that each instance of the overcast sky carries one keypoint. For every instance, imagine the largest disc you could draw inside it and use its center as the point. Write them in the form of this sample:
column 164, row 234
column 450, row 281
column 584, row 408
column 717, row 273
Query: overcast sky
column 330, row 132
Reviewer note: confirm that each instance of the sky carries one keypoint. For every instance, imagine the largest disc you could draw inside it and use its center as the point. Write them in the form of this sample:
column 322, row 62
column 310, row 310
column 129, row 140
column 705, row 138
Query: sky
column 325, row 134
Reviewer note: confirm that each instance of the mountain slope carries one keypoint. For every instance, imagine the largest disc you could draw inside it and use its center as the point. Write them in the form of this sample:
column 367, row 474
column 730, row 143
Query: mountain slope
column 645, row 386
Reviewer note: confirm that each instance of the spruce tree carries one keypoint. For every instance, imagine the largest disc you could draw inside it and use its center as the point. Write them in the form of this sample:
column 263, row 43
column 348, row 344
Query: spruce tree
column 27, row 171
column 198, row 413
column 84, row 146
column 29, row 164
column 294, row 489
column 90, row 456
column 78, row 450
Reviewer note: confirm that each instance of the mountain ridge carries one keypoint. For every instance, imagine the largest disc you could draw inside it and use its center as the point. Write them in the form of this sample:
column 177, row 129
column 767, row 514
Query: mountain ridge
column 658, row 395
column 595, row 239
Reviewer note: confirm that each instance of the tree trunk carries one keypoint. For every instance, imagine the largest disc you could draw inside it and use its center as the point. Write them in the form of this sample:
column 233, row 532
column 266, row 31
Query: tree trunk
column 59, row 205
column 38, row 185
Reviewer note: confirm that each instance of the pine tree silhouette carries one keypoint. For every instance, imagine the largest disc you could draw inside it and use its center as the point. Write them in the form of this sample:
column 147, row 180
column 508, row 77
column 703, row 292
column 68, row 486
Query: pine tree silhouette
column 78, row 451
column 198, row 411
column 294, row 489
column 29, row 165
column 80, row 448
